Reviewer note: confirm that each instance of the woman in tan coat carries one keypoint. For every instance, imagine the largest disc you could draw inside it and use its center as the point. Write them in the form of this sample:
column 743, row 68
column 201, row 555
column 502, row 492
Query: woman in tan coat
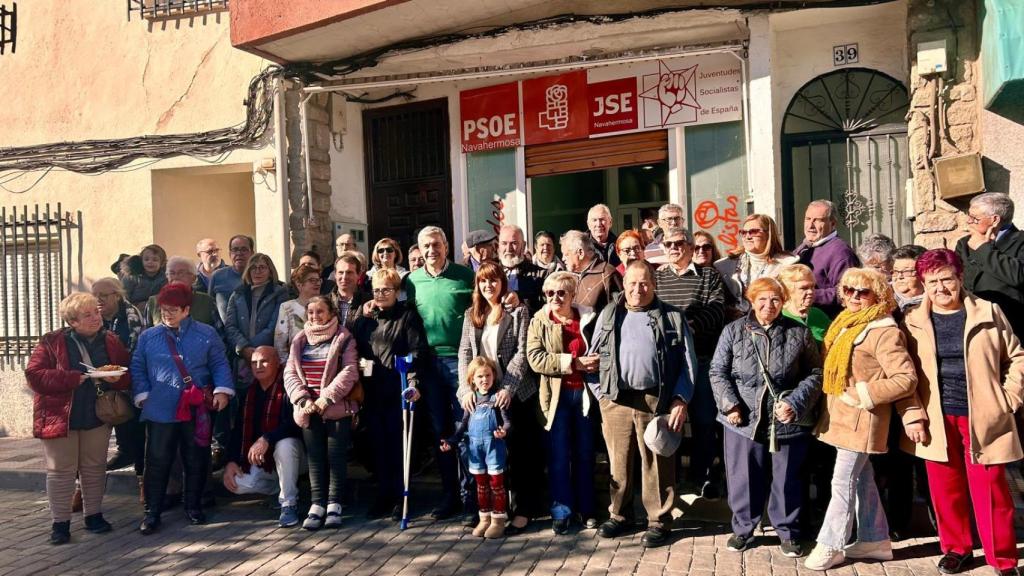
column 866, row 369
column 556, row 350
column 962, row 412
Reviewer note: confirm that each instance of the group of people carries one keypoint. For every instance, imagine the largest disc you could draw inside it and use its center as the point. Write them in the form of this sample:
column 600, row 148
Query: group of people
column 826, row 366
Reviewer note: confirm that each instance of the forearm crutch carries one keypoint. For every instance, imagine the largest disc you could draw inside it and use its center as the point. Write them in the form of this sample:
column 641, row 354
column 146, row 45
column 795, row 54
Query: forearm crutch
column 402, row 364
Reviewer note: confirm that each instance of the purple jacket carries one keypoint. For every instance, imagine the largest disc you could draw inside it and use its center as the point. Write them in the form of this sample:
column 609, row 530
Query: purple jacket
column 828, row 262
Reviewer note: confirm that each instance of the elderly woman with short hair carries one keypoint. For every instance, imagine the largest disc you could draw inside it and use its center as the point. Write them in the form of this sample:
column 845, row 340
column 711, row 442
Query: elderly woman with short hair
column 766, row 378
column 64, row 410
column 961, row 420
column 629, row 246
column 876, row 252
column 799, row 282
column 557, row 351
column 867, row 368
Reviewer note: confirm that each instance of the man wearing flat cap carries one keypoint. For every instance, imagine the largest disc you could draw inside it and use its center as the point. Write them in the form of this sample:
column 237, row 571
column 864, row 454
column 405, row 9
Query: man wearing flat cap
column 646, row 370
column 481, row 248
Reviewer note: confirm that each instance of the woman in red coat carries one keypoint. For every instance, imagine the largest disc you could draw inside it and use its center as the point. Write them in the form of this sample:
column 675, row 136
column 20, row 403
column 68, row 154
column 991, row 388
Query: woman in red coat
column 64, row 410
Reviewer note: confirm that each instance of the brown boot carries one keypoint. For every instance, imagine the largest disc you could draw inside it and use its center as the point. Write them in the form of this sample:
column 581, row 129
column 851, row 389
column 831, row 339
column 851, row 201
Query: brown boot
column 482, row 527
column 76, row 500
column 142, row 491
column 497, row 527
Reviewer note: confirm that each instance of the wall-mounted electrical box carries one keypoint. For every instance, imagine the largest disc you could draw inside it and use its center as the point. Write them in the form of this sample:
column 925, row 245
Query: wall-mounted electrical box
column 931, row 57
column 357, row 229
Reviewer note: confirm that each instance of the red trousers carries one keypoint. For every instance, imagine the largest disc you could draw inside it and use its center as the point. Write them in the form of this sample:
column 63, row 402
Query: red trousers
column 958, row 484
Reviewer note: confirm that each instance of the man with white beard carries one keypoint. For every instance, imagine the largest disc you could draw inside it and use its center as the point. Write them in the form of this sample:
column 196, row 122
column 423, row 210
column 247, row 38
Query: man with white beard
column 525, row 278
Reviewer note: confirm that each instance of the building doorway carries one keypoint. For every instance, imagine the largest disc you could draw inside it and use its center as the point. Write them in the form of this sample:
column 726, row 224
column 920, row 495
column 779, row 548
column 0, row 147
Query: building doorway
column 629, row 173
column 408, row 179
column 844, row 139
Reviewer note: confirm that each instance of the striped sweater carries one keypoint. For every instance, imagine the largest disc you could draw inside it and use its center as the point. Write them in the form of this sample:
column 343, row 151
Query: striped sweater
column 698, row 292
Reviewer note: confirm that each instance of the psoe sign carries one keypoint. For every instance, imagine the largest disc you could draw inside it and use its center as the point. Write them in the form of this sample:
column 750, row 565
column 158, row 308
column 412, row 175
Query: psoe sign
column 489, row 118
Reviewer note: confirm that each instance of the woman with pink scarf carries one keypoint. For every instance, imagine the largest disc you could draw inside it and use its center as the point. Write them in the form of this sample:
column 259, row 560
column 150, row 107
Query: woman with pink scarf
column 321, row 373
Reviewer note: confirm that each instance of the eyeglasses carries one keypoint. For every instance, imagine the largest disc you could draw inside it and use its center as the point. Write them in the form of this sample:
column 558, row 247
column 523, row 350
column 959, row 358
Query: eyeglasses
column 212, row 251
column 240, row 249
column 972, row 219
column 905, row 273
column 314, row 280
column 631, row 249
column 553, row 293
column 849, row 291
column 385, row 250
column 675, row 244
column 259, row 268
column 383, row 291
column 703, row 248
column 947, row 282
column 752, row 232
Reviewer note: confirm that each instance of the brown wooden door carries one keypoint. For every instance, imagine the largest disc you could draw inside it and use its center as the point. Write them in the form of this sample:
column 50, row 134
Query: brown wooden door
column 408, row 176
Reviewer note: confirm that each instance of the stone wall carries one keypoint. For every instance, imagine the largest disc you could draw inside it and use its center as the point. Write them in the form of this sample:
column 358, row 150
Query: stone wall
column 944, row 117
column 306, row 234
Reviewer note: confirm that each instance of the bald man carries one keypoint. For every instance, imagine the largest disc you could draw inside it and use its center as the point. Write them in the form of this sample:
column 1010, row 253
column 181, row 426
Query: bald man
column 209, row 262
column 265, row 455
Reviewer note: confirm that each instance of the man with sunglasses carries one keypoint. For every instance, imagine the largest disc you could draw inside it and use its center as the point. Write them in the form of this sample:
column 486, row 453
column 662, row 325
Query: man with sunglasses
column 669, row 216
column 825, row 253
column 993, row 256
column 700, row 294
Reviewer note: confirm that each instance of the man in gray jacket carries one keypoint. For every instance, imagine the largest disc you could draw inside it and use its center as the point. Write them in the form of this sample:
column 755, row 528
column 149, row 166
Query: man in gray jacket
column 646, row 370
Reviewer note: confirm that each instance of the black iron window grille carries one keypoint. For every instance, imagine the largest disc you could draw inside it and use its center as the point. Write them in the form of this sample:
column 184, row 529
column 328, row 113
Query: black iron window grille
column 155, row 9
column 39, row 251
column 8, row 28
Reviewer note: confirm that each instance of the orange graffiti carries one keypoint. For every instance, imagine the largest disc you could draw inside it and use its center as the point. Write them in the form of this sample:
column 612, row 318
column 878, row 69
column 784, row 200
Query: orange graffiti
column 498, row 213
column 708, row 214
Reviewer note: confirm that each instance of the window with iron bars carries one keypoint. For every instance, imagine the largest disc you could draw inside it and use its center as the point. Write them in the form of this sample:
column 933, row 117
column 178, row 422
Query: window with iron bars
column 8, row 28
column 156, row 9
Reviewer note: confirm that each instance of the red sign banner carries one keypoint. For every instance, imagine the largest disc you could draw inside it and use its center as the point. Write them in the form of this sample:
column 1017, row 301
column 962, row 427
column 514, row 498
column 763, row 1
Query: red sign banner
column 555, row 108
column 490, row 118
column 613, row 106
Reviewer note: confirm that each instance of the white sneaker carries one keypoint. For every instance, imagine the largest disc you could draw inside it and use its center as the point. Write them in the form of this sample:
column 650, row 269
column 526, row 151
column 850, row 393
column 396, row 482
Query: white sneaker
column 824, row 557
column 870, row 550
column 333, row 516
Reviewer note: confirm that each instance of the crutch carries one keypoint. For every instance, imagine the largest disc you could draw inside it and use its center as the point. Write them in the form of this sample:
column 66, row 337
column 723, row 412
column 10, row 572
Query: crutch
column 402, row 364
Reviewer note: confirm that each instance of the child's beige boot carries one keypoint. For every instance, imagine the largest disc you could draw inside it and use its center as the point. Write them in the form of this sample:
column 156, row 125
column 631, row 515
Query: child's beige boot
column 482, row 527
column 497, row 527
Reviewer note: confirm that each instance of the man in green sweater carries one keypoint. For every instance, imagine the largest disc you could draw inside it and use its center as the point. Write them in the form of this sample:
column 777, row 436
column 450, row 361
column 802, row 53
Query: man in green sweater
column 442, row 291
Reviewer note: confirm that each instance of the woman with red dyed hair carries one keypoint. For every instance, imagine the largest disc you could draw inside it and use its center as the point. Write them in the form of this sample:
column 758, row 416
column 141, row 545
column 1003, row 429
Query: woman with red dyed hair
column 960, row 420
column 629, row 246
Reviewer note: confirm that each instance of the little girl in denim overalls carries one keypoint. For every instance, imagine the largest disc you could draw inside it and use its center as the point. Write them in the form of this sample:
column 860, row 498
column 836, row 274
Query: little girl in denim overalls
column 487, row 426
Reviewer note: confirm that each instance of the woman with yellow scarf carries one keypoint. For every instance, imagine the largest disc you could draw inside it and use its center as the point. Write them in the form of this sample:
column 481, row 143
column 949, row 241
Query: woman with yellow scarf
column 867, row 367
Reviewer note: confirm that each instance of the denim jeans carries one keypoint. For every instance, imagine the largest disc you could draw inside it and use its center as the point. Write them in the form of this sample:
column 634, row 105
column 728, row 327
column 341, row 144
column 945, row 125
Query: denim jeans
column 445, row 410
column 571, row 458
column 854, row 496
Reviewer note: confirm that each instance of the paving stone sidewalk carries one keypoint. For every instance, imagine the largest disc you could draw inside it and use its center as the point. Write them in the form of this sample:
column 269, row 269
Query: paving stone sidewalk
column 242, row 537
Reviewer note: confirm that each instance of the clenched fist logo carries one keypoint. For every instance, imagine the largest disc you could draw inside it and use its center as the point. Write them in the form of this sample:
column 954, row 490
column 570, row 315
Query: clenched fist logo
column 673, row 90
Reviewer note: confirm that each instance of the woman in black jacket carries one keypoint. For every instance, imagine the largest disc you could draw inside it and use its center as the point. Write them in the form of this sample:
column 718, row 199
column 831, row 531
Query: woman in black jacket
column 392, row 330
column 766, row 378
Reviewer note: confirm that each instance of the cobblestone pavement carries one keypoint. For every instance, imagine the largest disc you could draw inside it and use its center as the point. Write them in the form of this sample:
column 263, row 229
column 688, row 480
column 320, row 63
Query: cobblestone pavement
column 242, row 537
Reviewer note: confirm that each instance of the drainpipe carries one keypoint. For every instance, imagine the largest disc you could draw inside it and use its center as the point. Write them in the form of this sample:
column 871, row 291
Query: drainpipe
column 303, row 110
column 744, row 73
column 281, row 145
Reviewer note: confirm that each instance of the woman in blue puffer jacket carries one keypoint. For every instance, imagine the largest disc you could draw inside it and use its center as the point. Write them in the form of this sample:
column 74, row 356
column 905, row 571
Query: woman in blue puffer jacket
column 179, row 372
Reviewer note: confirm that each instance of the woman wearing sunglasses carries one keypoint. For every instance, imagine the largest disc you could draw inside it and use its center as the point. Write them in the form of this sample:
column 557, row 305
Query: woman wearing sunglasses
column 556, row 349
column 759, row 255
column 705, row 250
column 387, row 255
column 867, row 368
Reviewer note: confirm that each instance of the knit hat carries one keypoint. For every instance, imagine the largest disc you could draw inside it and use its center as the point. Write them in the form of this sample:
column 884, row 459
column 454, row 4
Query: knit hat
column 175, row 294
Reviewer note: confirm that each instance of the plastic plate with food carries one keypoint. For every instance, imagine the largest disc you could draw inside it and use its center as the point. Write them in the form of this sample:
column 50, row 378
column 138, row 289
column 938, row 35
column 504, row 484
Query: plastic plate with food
column 107, row 371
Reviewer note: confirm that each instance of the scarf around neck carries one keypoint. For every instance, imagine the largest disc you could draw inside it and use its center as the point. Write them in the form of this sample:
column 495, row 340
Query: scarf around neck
column 319, row 333
column 839, row 342
column 269, row 420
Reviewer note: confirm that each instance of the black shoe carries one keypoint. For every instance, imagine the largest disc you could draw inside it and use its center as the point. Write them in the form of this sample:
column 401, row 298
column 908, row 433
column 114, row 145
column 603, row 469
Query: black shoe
column 611, row 528
column 149, row 524
column 656, row 536
column 60, row 533
column 953, row 563
column 560, row 527
column 96, row 524
column 791, row 549
column 217, row 459
column 119, row 460
column 195, row 517
column 445, row 510
column 739, row 543
column 171, row 500
column 396, row 513
column 380, row 509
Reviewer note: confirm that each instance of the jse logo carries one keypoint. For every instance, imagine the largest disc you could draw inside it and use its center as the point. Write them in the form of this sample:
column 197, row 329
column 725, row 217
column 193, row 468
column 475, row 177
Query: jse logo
column 614, row 104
